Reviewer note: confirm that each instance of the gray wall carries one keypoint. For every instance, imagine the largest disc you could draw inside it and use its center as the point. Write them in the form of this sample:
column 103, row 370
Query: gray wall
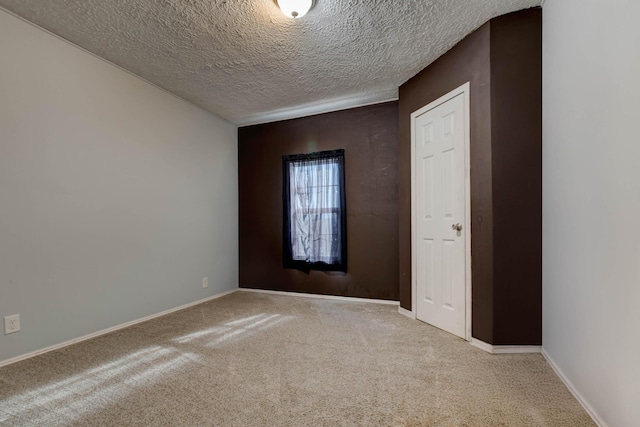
column 116, row 198
column 591, row 201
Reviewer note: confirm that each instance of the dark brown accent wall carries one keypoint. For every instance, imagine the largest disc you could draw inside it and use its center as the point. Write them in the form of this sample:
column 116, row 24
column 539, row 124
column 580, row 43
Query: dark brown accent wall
column 502, row 62
column 369, row 136
column 516, row 139
column 468, row 61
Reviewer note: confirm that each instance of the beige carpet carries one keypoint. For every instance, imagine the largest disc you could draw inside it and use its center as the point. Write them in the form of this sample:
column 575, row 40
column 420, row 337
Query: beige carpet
column 252, row 359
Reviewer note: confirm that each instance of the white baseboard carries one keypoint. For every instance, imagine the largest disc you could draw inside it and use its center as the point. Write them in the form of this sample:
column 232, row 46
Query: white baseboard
column 505, row 349
column 407, row 313
column 332, row 297
column 108, row 330
column 587, row 407
column 481, row 345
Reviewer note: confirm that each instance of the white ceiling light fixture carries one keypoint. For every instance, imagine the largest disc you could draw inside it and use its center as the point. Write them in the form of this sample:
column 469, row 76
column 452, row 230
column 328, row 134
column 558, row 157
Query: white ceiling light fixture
column 295, row 8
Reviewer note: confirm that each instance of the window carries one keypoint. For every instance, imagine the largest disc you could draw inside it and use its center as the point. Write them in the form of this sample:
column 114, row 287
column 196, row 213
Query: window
column 314, row 210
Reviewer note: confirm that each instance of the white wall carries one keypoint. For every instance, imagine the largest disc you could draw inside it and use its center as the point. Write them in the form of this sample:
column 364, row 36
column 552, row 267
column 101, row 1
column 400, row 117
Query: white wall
column 591, row 201
column 116, row 198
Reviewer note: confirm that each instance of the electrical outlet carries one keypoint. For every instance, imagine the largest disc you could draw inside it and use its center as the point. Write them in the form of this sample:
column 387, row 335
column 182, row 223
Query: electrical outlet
column 11, row 324
column 205, row 282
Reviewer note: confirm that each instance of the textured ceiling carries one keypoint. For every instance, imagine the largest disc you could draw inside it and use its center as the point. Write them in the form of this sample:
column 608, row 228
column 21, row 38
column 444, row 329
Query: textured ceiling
column 246, row 62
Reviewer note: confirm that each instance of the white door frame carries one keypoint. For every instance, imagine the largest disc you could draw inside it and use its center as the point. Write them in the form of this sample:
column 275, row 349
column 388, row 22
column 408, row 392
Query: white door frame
column 464, row 90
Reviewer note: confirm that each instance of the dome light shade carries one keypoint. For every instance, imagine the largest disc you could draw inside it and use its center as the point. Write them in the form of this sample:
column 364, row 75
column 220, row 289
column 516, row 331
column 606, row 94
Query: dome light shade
column 295, row 8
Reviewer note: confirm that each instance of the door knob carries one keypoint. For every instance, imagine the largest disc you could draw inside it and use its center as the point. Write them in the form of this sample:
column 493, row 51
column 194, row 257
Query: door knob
column 456, row 227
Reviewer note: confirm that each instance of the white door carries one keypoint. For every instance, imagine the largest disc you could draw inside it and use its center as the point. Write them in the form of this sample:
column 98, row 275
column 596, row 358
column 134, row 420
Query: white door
column 440, row 223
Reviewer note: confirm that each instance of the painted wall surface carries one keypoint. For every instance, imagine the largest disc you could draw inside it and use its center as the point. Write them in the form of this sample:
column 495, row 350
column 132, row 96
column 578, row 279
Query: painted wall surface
column 369, row 137
column 116, row 198
column 502, row 62
column 591, row 201
column 516, row 167
column 468, row 61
